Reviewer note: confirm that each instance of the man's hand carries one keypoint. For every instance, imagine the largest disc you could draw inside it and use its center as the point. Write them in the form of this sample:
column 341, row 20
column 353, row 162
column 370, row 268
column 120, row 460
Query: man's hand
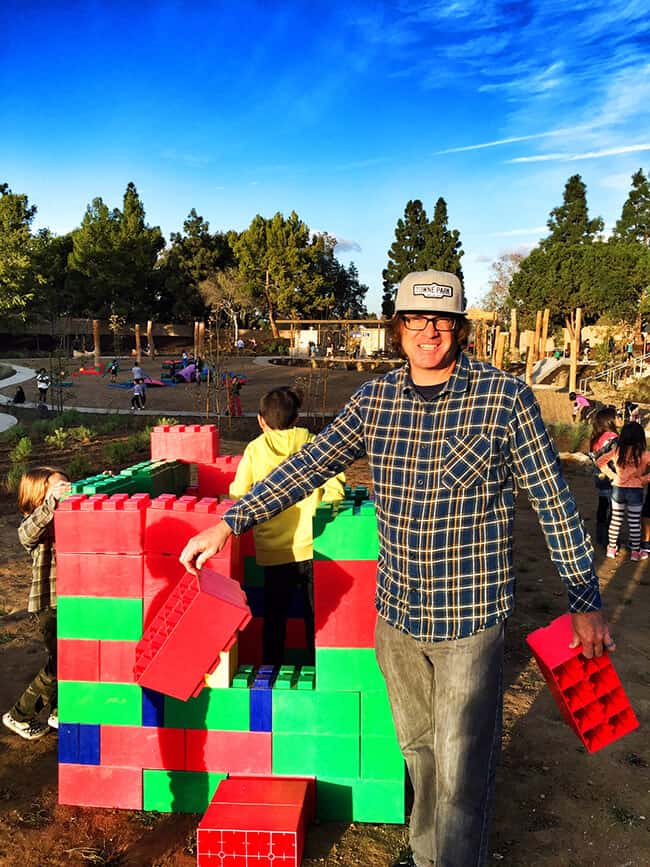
column 203, row 546
column 590, row 629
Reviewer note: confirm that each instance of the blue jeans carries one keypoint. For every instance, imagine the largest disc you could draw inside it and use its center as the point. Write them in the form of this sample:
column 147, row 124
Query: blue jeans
column 446, row 699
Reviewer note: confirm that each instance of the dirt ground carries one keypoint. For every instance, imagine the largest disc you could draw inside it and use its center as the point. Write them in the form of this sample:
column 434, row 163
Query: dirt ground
column 557, row 806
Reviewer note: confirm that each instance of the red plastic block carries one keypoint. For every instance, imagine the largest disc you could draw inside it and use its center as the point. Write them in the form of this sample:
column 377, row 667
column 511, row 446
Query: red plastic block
column 101, row 524
column 235, row 830
column 270, row 791
column 587, row 691
column 199, row 619
column 115, row 575
column 344, row 603
column 172, row 521
column 146, row 747
column 215, row 478
column 78, row 659
column 116, row 661
column 235, row 752
column 100, row 786
column 192, row 443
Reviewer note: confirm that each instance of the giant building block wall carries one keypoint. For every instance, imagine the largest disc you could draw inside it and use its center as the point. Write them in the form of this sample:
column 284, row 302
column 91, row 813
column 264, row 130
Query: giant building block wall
column 122, row 744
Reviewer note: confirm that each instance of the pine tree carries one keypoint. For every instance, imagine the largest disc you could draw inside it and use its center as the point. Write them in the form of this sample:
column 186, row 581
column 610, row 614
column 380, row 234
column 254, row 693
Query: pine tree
column 442, row 250
column 407, row 250
column 634, row 224
column 569, row 223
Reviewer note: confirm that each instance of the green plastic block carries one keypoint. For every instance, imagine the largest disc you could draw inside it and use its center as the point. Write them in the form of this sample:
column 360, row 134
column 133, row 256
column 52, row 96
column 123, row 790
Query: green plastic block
column 345, row 669
column 376, row 716
column 354, row 800
column 307, row 677
column 315, row 755
column 220, row 709
column 107, row 703
column 287, row 677
column 102, row 617
column 253, row 573
column 381, row 758
column 244, row 677
column 351, row 535
column 316, row 712
column 179, row 791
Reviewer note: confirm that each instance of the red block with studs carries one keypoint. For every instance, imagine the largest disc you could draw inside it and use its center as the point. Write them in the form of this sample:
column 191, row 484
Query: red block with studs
column 192, row 443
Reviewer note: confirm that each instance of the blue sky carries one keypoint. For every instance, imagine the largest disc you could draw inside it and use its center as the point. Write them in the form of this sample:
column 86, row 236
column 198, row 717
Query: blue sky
column 340, row 111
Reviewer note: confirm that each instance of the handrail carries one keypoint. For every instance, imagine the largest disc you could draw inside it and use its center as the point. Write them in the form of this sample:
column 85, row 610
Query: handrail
column 640, row 366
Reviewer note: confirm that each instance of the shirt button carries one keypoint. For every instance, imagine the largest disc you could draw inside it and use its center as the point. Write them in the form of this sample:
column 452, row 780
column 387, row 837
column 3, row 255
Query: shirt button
column 420, row 482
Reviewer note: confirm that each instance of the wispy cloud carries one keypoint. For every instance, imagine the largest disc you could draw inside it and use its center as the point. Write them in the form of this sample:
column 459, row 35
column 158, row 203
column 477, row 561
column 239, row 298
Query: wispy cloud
column 343, row 245
column 513, row 140
column 192, row 161
column 588, row 155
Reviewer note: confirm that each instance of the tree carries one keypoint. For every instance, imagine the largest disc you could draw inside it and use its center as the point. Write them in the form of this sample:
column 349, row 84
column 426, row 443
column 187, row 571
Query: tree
column 225, row 291
column 419, row 245
column 502, row 271
column 17, row 277
column 634, row 224
column 55, row 295
column 569, row 223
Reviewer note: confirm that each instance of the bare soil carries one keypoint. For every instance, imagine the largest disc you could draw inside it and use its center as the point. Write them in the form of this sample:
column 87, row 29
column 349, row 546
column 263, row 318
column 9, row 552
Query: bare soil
column 557, row 806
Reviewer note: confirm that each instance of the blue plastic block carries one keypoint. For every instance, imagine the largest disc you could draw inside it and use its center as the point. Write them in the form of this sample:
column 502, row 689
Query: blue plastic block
column 261, row 710
column 265, row 677
column 153, row 708
column 89, row 752
column 69, row 743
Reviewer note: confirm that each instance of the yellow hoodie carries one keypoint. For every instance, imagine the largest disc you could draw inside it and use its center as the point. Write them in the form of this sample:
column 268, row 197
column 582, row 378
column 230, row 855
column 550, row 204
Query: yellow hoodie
column 286, row 538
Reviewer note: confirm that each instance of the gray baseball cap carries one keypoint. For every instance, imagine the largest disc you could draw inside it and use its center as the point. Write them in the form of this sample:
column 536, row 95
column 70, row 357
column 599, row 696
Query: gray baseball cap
column 430, row 292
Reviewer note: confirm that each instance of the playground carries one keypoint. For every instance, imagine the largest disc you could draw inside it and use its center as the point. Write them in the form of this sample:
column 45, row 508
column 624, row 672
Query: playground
column 556, row 805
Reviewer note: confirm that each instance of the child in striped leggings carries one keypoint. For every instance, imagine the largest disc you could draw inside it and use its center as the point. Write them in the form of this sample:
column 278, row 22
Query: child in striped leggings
column 629, row 475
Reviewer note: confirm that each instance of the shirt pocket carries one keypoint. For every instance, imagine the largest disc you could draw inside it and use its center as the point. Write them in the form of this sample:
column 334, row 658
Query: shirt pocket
column 468, row 461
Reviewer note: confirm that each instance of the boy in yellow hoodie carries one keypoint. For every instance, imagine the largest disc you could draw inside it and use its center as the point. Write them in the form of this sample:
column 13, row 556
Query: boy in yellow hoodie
column 284, row 544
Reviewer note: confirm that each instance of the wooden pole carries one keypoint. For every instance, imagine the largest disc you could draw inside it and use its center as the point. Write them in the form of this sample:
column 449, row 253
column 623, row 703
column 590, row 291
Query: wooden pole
column 542, row 343
column 495, row 341
column 500, row 349
column 514, row 336
column 575, row 346
column 138, row 346
column 201, row 340
column 96, row 342
column 195, row 348
column 530, row 360
column 538, row 330
column 150, row 338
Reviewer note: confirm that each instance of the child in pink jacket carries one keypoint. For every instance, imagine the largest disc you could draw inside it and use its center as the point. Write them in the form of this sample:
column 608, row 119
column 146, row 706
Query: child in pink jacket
column 629, row 476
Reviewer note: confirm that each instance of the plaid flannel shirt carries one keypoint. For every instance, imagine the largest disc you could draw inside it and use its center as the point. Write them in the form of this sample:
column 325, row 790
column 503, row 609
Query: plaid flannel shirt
column 444, row 474
column 36, row 535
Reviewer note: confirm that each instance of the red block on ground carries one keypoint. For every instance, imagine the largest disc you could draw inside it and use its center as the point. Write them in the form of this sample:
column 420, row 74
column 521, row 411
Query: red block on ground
column 101, row 524
column 235, row 752
column 115, row 575
column 199, row 619
column 344, row 603
column 587, row 691
column 215, row 478
column 192, row 443
column 78, row 659
column 270, row 791
column 143, row 747
column 100, row 786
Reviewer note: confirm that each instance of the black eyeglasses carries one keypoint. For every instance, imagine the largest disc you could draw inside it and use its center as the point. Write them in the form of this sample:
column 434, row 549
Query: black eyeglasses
column 419, row 323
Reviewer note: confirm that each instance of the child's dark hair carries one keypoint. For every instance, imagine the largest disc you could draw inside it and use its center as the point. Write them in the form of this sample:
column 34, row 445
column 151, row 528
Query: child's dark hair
column 33, row 485
column 631, row 443
column 572, row 395
column 603, row 421
column 279, row 407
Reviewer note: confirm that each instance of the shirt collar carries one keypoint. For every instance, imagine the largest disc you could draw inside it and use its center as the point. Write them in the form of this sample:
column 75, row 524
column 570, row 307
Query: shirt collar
column 456, row 384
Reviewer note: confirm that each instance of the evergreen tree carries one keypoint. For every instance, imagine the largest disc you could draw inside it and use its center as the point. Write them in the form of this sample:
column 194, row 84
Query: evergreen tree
column 17, row 277
column 634, row 224
column 569, row 223
column 442, row 249
column 407, row 251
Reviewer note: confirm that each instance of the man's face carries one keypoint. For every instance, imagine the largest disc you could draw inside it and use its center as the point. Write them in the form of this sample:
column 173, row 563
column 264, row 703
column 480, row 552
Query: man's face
column 431, row 352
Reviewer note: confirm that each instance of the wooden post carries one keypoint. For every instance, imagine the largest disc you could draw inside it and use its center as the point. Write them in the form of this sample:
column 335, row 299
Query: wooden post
column 195, row 347
column 575, row 346
column 544, row 338
column 495, row 341
column 478, row 341
column 150, row 338
column 538, row 331
column 96, row 342
column 530, row 360
column 200, row 341
column 138, row 347
column 500, row 349
column 514, row 336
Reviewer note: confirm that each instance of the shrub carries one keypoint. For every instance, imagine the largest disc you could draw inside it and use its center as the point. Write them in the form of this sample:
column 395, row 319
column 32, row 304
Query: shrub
column 79, row 467
column 13, row 434
column 39, row 429
column 163, row 420
column 70, row 418
column 58, row 438
column 81, row 434
column 139, row 441
column 118, row 454
column 111, row 424
column 12, row 479
column 22, row 451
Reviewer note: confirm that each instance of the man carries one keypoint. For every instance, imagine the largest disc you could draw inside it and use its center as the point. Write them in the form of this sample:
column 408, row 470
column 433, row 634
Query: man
column 447, row 438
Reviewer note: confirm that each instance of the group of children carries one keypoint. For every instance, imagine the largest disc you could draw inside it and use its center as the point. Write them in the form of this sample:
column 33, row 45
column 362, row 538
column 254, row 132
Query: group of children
column 283, row 549
column 622, row 466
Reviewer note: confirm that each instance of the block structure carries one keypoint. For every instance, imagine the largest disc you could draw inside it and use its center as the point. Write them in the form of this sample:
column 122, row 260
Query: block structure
column 588, row 692
column 149, row 720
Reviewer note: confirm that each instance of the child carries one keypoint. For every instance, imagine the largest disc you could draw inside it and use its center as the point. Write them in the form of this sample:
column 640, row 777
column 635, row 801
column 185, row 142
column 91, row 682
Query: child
column 628, row 477
column 39, row 491
column 138, row 399
column 580, row 405
column 114, row 369
column 42, row 383
column 234, row 405
column 19, row 396
column 283, row 544
column 604, row 439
